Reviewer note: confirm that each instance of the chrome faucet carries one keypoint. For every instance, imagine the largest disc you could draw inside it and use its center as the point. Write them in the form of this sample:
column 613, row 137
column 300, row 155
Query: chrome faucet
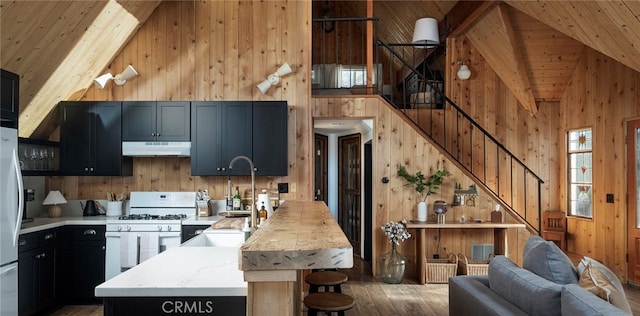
column 253, row 187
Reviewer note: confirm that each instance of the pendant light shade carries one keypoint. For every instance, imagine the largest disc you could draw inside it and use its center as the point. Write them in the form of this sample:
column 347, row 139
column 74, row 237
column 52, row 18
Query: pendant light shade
column 425, row 33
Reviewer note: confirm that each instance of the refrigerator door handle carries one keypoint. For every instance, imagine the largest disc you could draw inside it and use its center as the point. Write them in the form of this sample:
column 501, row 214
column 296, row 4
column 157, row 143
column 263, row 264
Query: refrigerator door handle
column 7, row 269
column 16, row 166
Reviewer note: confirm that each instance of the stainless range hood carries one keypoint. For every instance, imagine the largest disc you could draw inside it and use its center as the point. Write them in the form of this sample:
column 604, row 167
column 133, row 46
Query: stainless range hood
column 152, row 149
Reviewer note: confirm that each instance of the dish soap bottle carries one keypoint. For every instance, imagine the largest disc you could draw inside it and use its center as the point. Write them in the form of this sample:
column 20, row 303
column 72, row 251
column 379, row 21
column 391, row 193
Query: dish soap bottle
column 263, row 214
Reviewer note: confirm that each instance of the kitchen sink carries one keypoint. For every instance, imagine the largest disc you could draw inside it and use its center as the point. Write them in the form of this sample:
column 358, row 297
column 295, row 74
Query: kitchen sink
column 216, row 238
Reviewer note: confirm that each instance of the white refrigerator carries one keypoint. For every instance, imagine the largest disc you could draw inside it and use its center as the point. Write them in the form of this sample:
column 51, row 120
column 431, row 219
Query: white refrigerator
column 11, row 200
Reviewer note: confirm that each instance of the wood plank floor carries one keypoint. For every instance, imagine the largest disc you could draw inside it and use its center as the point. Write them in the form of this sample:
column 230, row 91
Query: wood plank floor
column 373, row 297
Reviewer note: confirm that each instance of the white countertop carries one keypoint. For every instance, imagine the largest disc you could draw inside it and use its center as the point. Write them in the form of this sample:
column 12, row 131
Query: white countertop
column 181, row 272
column 42, row 223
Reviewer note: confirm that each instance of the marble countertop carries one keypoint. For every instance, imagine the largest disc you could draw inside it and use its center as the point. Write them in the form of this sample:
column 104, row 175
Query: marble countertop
column 181, row 271
column 300, row 235
column 42, row 223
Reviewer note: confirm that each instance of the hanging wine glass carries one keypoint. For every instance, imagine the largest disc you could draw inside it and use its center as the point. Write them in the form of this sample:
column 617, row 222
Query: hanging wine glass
column 33, row 157
column 44, row 157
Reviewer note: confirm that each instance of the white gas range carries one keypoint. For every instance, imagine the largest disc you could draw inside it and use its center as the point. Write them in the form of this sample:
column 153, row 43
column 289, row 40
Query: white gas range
column 153, row 225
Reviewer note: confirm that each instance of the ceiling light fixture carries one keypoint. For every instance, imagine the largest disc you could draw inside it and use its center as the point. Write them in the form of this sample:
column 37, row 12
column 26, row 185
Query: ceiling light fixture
column 119, row 79
column 425, row 33
column 464, row 73
column 274, row 78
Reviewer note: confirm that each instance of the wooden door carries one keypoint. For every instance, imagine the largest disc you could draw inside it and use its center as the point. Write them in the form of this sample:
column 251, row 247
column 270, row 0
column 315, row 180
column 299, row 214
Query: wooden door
column 349, row 188
column 633, row 205
column 320, row 168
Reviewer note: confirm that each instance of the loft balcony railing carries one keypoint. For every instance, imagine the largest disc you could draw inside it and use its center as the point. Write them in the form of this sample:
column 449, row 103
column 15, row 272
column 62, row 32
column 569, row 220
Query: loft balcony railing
column 416, row 89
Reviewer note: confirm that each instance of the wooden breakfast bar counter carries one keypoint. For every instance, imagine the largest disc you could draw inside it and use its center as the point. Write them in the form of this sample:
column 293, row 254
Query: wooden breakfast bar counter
column 300, row 235
column 500, row 242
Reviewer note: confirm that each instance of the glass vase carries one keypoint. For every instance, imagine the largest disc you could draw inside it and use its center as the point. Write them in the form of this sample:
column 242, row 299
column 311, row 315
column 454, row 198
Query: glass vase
column 393, row 266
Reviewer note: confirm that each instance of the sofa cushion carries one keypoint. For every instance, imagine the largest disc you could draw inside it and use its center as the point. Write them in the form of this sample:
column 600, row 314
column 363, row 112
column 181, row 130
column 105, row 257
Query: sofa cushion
column 523, row 288
column 577, row 301
column 594, row 275
column 470, row 295
column 545, row 259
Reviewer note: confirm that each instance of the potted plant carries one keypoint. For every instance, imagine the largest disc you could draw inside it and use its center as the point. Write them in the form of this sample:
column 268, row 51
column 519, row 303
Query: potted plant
column 424, row 186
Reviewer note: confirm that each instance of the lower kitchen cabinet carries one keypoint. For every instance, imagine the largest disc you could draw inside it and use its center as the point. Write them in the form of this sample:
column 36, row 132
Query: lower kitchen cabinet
column 82, row 263
column 190, row 231
column 37, row 254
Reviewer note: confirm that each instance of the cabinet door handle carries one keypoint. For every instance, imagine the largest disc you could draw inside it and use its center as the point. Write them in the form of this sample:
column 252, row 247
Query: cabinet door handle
column 199, row 231
column 86, row 169
column 89, row 232
column 153, row 134
column 255, row 169
column 158, row 134
column 22, row 242
column 48, row 236
column 104, row 247
column 43, row 255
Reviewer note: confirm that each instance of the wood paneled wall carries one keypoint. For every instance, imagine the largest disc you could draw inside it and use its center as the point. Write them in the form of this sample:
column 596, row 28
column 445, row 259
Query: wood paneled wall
column 603, row 94
column 212, row 50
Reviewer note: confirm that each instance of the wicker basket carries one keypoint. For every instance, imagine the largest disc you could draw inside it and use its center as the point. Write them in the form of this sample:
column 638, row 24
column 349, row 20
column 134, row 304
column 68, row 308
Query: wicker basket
column 440, row 270
column 473, row 266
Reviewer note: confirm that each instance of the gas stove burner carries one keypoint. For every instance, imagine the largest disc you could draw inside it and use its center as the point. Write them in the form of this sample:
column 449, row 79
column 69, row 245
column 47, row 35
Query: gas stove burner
column 172, row 216
column 152, row 217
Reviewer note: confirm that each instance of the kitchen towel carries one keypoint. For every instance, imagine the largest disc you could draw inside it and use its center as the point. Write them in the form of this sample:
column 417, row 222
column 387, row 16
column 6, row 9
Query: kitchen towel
column 128, row 250
column 149, row 245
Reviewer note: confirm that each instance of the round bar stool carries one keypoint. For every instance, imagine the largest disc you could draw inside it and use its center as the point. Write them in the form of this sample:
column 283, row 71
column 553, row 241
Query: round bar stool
column 325, row 279
column 328, row 302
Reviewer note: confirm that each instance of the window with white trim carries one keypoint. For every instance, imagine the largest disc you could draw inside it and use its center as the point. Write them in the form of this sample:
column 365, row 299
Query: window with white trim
column 579, row 151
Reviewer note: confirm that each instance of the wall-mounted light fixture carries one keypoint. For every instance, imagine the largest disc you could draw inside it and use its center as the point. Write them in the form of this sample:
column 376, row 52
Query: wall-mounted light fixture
column 274, row 78
column 425, row 33
column 119, row 79
column 464, row 73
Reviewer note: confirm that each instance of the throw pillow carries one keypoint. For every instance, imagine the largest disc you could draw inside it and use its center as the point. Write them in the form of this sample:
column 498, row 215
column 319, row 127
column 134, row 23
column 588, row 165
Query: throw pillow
column 595, row 282
column 545, row 259
column 607, row 279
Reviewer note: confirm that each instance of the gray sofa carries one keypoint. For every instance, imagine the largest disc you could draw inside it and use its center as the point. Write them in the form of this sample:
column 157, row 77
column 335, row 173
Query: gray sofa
column 547, row 284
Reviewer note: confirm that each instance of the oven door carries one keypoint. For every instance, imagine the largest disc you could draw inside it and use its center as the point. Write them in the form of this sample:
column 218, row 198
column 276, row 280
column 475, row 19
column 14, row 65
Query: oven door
column 115, row 252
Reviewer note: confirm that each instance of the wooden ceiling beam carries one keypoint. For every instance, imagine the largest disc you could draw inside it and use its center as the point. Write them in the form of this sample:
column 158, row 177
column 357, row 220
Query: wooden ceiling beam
column 463, row 15
column 494, row 37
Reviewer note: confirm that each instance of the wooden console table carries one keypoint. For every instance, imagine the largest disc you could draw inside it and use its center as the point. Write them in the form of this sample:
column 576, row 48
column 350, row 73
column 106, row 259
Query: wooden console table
column 500, row 244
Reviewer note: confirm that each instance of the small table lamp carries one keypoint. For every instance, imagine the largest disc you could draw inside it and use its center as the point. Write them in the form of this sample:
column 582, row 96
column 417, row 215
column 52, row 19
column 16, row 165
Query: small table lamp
column 54, row 198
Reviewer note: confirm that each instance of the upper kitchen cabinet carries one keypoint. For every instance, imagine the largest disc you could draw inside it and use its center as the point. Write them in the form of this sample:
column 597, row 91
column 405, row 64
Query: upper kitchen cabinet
column 270, row 138
column 223, row 130
column 91, row 139
column 156, row 121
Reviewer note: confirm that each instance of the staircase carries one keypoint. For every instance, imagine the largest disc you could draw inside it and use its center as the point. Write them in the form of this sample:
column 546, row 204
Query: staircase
column 472, row 149
column 492, row 167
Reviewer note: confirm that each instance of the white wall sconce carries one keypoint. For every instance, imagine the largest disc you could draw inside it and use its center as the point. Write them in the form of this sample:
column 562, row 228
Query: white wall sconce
column 464, row 72
column 274, row 78
column 119, row 79
column 425, row 33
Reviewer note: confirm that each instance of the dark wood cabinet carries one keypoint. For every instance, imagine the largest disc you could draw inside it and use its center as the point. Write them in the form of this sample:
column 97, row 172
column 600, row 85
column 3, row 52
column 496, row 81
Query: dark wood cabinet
column 223, row 130
column 156, row 121
column 91, row 139
column 37, row 254
column 190, row 231
column 270, row 141
column 82, row 262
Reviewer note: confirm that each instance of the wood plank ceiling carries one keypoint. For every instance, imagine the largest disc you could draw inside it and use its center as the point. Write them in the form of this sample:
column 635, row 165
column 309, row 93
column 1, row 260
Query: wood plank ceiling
column 59, row 47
